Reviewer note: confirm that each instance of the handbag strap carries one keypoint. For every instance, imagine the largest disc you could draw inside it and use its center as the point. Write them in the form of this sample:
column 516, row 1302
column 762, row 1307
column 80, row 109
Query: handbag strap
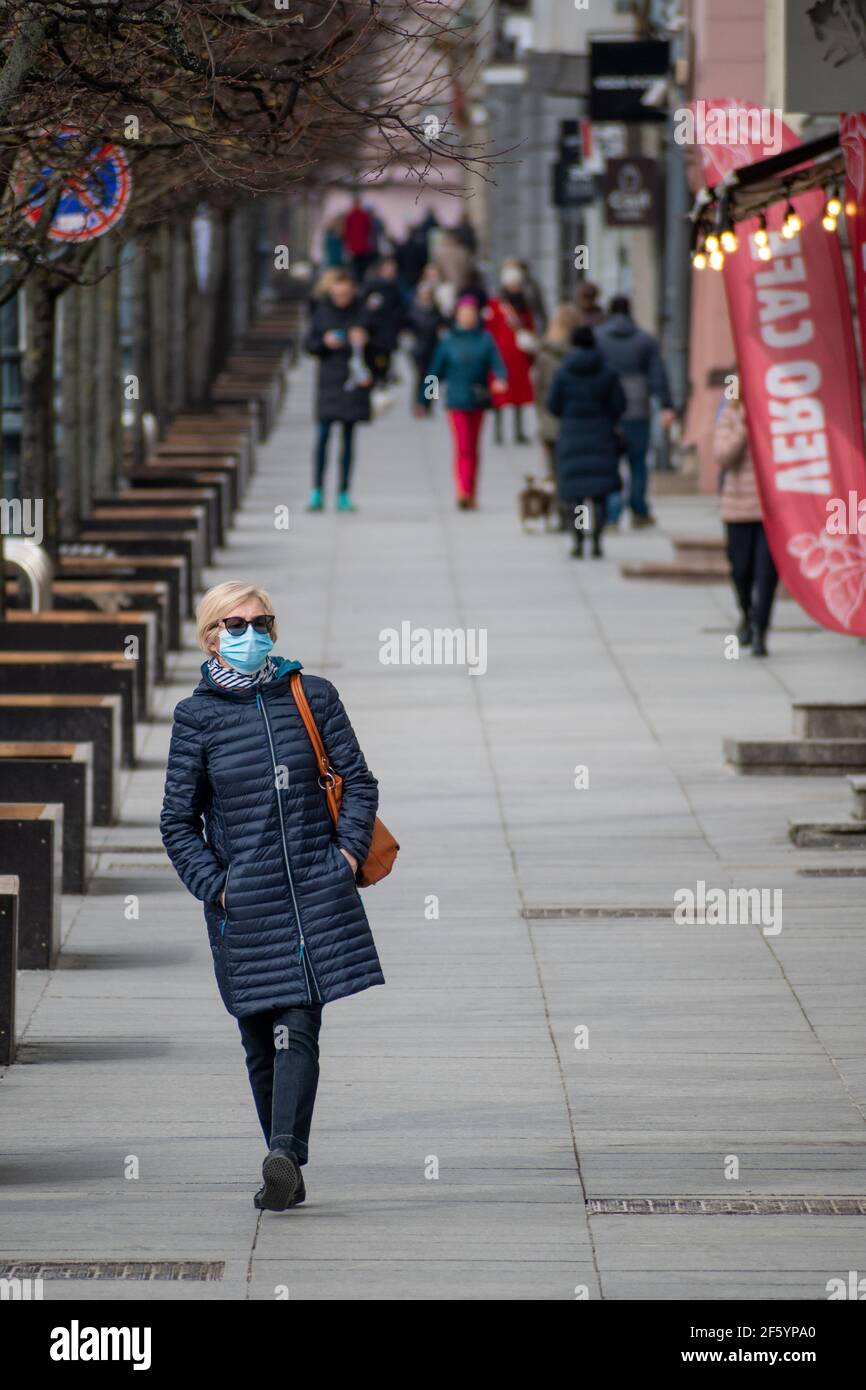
column 326, row 772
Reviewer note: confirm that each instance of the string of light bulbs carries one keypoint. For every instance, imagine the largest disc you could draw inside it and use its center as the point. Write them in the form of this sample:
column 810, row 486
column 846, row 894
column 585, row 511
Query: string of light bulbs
column 714, row 241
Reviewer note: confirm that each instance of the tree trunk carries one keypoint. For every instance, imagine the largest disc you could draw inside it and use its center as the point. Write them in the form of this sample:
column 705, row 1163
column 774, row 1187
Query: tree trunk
column 210, row 328
column 70, row 459
column 159, row 330
column 87, row 400
column 178, row 312
column 142, row 335
column 109, row 380
column 38, row 475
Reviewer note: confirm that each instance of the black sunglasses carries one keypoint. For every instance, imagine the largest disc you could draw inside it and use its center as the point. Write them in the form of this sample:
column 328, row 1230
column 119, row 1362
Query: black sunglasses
column 236, row 626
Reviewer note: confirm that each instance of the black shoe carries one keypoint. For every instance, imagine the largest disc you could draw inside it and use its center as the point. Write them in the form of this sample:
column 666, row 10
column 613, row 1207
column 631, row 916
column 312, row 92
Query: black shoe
column 744, row 633
column 597, row 552
column 577, row 548
column 297, row 1200
column 282, row 1176
column 759, row 643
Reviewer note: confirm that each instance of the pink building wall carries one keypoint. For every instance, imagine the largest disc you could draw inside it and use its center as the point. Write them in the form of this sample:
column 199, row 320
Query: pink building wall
column 727, row 61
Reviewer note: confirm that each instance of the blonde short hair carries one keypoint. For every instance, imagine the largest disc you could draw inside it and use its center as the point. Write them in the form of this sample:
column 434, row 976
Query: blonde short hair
column 563, row 321
column 219, row 602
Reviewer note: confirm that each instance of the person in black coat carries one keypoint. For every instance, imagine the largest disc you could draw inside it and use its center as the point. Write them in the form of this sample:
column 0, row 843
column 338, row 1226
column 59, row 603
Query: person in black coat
column 342, row 336
column 588, row 399
column 384, row 302
column 426, row 324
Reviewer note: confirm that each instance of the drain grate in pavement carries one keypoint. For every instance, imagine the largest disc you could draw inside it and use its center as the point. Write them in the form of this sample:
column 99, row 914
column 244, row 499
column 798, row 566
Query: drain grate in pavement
column 203, row 1270
column 726, row 1206
column 594, row 914
column 847, row 872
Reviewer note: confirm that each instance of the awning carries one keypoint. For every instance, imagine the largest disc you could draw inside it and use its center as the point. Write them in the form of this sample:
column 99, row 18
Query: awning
column 747, row 192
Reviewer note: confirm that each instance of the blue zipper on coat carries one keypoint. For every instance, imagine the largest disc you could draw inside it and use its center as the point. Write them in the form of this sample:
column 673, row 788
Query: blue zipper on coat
column 303, row 954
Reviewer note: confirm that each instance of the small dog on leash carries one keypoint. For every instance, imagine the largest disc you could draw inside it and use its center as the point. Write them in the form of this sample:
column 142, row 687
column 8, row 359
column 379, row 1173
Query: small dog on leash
column 537, row 502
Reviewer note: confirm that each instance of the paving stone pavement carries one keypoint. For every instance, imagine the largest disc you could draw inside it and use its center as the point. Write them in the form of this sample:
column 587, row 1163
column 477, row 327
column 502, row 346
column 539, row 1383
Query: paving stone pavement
column 705, row 1043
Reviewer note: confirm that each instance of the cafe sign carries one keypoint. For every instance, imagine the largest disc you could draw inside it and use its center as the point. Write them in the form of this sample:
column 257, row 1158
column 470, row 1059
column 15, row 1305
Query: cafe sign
column 630, row 192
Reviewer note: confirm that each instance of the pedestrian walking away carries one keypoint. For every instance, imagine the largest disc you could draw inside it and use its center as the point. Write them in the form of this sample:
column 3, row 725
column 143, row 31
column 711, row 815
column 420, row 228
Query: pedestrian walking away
column 386, row 308
column 552, row 352
column 341, row 335
column 508, row 318
column 636, row 358
column 469, row 364
column 753, row 570
column 588, row 400
column 359, row 238
column 426, row 325
column 587, row 298
column 333, row 251
column 246, row 825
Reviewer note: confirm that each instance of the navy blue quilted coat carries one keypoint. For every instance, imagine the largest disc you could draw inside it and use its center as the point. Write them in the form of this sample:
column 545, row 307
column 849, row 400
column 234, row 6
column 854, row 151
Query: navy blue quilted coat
column 244, row 814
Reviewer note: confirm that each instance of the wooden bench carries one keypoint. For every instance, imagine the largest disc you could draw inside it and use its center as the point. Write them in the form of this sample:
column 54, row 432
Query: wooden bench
column 143, row 480
column 164, row 499
column 133, row 595
column 149, row 544
column 202, row 454
column 187, row 467
column 75, row 673
column 174, row 520
column 99, row 563
column 72, row 630
column 8, row 965
column 231, row 388
column 93, row 719
column 31, row 839
column 33, row 771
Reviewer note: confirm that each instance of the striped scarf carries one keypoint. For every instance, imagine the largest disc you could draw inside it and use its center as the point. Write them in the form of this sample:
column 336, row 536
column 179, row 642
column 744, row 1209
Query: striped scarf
column 230, row 679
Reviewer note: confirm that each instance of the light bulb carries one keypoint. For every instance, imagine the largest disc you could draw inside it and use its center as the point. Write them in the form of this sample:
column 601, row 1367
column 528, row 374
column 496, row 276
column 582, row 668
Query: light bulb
column 699, row 260
column 712, row 242
column 729, row 239
column 834, row 205
column 828, row 223
column 789, row 231
column 764, row 253
column 717, row 260
column 792, row 220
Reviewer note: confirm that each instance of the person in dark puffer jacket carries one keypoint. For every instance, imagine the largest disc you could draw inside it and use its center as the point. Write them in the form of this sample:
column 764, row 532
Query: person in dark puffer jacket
column 588, row 400
column 342, row 335
column 246, row 825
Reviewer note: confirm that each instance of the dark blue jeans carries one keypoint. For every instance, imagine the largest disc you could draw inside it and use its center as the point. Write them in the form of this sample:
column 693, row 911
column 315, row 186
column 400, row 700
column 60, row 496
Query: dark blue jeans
column 282, row 1052
column 636, row 434
column 320, row 459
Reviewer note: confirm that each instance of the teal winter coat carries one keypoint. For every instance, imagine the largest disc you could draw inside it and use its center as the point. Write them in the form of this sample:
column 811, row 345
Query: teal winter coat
column 464, row 361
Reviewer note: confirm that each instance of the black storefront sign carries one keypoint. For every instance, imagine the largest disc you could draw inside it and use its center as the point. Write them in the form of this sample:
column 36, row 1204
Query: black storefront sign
column 573, row 186
column 620, row 73
column 630, row 191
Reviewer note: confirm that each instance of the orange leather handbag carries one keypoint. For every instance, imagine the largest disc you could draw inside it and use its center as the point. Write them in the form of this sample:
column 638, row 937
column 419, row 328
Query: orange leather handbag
column 383, row 846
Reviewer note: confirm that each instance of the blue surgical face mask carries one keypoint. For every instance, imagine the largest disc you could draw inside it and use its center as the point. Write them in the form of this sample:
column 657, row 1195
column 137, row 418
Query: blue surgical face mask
column 246, row 651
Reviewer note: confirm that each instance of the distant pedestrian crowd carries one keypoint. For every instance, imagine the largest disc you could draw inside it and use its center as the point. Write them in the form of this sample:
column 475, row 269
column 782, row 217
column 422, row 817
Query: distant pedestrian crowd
column 591, row 376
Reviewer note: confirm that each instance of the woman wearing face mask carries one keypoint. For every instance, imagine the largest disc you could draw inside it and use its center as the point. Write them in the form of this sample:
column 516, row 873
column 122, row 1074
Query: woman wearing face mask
column 509, row 320
column 246, row 825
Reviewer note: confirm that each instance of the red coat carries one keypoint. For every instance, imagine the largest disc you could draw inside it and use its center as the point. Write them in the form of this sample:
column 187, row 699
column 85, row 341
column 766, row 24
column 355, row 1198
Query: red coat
column 502, row 321
column 358, row 232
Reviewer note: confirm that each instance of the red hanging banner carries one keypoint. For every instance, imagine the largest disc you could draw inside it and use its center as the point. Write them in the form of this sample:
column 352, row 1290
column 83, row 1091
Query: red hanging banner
column 791, row 322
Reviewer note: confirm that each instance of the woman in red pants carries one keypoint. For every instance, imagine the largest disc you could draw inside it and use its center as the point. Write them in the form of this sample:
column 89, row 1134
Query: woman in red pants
column 468, row 362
